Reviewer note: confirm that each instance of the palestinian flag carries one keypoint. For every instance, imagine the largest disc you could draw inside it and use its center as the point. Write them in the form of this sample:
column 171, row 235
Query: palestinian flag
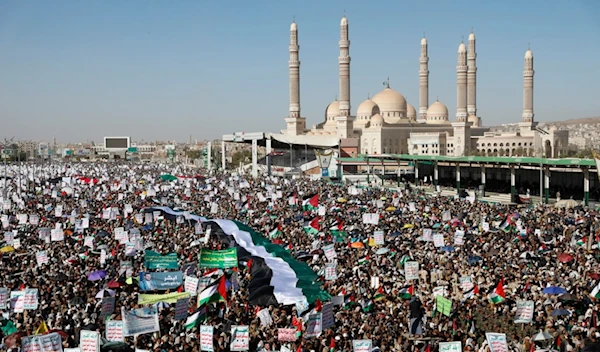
column 404, row 259
column 172, row 215
column 506, row 225
column 277, row 277
column 364, row 260
column 216, row 292
column 379, row 295
column 312, row 227
column 471, row 293
column 498, row 296
column 596, row 292
column 275, row 232
column 407, row 292
column 198, row 317
column 311, row 203
column 349, row 301
column 368, row 306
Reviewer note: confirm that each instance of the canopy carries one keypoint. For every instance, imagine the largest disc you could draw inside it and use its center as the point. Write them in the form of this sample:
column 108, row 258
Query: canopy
column 308, row 140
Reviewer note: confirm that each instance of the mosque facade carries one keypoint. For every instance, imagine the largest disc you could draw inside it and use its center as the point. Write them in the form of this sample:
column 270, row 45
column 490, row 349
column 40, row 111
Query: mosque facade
column 387, row 124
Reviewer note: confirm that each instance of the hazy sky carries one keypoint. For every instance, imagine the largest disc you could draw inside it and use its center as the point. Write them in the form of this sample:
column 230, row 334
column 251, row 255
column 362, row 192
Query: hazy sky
column 80, row 70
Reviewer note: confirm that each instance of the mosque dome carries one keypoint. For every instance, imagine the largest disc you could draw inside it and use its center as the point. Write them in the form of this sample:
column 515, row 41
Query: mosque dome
column 424, row 41
column 293, row 27
column 472, row 36
column 437, row 113
column 474, row 120
column 528, row 54
column 462, row 48
column 390, row 103
column 376, row 121
column 344, row 21
column 333, row 110
column 411, row 113
column 366, row 109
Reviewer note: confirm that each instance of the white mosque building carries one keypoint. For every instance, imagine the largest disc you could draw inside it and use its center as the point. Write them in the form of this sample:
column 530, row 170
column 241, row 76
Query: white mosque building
column 387, row 124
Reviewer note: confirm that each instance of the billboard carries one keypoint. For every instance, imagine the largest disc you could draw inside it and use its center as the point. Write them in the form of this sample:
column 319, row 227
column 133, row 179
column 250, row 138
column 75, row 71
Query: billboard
column 116, row 143
column 43, row 149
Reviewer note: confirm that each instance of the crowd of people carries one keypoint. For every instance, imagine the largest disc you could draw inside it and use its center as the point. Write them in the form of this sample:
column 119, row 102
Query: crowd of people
column 487, row 260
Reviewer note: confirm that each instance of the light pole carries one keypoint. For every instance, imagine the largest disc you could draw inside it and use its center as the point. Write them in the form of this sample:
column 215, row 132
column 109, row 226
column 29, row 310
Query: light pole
column 541, row 149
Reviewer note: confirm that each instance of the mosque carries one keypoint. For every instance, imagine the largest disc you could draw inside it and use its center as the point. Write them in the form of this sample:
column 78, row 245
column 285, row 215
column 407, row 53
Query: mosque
column 387, row 124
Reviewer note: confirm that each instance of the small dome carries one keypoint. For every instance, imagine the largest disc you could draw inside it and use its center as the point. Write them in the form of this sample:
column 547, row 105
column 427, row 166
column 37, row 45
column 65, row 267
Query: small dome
column 376, row 120
column 528, row 54
column 462, row 48
column 293, row 27
column 474, row 120
column 472, row 36
column 389, row 100
column 333, row 109
column 367, row 108
column 437, row 113
column 344, row 21
column 411, row 113
column 424, row 41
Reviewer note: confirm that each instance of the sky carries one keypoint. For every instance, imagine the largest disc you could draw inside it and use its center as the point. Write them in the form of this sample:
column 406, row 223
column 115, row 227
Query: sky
column 168, row 70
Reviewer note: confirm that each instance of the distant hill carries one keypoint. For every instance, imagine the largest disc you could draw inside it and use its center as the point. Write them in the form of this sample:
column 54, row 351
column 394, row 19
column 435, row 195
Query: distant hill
column 560, row 124
column 584, row 120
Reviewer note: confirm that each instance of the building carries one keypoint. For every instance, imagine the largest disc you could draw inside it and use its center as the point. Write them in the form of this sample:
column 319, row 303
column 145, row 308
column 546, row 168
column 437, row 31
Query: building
column 386, row 123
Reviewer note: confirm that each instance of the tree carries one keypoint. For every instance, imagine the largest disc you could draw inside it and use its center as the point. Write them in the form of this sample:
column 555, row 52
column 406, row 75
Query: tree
column 194, row 154
column 242, row 156
column 520, row 151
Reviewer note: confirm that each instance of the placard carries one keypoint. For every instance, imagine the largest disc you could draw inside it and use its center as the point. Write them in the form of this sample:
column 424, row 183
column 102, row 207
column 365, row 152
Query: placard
column 524, row 312
column 89, row 341
column 286, row 335
column 114, row 330
column 206, row 338
column 411, row 271
column 496, row 342
column 379, row 237
column 454, row 346
column 240, row 338
column 362, row 345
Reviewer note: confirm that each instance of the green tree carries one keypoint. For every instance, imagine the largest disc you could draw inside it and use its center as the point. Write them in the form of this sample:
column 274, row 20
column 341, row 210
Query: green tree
column 242, row 156
column 194, row 154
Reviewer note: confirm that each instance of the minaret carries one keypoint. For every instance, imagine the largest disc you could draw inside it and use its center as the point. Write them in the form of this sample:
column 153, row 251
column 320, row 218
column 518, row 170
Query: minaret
column 461, row 84
column 344, row 64
column 423, row 81
column 471, row 77
column 296, row 125
column 294, row 67
column 528, row 87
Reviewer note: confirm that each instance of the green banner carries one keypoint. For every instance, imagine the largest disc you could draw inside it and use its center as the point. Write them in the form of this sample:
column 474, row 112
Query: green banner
column 219, row 259
column 153, row 260
column 444, row 305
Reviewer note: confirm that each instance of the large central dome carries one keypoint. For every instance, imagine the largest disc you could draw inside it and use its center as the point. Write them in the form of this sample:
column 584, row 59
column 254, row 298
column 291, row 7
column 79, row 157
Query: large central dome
column 391, row 103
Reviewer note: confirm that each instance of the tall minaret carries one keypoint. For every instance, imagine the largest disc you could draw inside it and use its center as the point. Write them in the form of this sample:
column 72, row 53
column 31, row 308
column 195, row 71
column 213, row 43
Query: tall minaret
column 461, row 84
column 294, row 67
column 344, row 64
column 471, row 77
column 423, row 81
column 528, row 87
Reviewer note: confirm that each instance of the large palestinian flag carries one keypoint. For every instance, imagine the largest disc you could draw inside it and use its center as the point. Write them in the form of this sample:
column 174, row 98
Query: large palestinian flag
column 277, row 278
column 172, row 215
